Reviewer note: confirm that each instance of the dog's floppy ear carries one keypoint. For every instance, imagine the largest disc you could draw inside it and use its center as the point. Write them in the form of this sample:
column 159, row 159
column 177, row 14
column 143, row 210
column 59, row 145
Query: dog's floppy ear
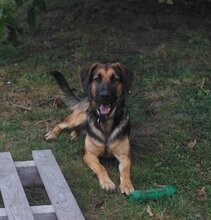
column 125, row 74
column 86, row 78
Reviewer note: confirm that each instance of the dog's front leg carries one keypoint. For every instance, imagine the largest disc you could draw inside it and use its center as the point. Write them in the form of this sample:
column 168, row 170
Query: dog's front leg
column 122, row 152
column 124, row 169
column 92, row 151
column 93, row 163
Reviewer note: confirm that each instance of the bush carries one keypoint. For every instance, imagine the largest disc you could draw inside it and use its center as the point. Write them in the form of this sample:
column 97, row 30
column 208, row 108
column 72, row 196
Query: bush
column 10, row 27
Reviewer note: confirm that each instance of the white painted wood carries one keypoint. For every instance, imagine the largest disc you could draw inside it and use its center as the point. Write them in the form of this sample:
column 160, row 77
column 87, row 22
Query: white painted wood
column 44, row 212
column 15, row 201
column 62, row 199
column 28, row 173
column 27, row 163
column 3, row 214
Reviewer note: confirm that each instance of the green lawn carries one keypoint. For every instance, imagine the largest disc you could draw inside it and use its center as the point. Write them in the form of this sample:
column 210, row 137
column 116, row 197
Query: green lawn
column 169, row 52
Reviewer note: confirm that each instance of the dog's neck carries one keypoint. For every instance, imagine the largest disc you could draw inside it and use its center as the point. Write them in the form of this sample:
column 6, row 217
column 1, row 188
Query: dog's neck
column 107, row 130
column 108, row 123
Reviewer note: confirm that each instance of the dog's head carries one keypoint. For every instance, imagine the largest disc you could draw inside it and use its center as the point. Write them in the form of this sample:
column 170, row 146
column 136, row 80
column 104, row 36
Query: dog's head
column 107, row 85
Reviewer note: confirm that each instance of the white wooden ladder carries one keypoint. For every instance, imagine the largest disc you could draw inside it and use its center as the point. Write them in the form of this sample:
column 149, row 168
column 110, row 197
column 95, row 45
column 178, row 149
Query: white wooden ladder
column 42, row 170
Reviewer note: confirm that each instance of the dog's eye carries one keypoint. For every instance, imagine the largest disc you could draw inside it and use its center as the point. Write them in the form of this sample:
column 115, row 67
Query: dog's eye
column 98, row 78
column 114, row 78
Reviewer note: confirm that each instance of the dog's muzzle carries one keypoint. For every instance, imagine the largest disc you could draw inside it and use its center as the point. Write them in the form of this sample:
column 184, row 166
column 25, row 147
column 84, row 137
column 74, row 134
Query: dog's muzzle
column 105, row 102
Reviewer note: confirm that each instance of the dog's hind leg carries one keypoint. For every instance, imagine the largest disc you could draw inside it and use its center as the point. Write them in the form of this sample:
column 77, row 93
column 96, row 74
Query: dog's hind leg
column 76, row 119
column 53, row 134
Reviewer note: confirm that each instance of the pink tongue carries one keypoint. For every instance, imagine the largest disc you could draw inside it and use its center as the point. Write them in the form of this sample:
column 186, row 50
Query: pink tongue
column 104, row 109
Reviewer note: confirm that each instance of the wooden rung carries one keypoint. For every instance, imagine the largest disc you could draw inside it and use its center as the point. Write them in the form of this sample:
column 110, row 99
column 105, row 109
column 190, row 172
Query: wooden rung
column 44, row 212
column 62, row 199
column 15, row 201
column 28, row 173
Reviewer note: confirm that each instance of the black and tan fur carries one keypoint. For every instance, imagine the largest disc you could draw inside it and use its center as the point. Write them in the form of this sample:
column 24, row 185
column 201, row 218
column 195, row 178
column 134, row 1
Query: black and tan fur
column 104, row 116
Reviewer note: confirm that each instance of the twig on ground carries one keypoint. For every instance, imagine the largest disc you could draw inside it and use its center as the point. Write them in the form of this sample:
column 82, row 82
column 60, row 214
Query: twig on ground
column 19, row 106
column 45, row 122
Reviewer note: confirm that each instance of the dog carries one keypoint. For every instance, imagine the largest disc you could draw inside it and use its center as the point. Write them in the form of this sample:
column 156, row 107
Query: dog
column 104, row 116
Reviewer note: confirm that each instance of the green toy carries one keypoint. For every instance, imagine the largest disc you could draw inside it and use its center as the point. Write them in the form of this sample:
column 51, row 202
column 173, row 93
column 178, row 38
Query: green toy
column 153, row 194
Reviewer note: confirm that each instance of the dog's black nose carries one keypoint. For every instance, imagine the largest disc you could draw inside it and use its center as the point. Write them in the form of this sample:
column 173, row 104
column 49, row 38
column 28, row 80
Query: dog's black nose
column 105, row 94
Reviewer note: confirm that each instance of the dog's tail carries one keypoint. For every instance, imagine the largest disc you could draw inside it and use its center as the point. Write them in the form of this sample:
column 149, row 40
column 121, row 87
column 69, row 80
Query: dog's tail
column 69, row 97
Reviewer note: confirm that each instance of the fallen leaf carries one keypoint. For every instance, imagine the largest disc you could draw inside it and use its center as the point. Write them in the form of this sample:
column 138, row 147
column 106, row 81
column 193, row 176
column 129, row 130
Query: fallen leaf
column 201, row 194
column 192, row 144
column 149, row 211
column 97, row 202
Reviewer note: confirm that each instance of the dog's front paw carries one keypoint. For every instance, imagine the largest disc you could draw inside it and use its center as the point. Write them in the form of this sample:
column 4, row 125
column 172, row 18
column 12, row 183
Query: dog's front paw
column 107, row 185
column 50, row 136
column 126, row 187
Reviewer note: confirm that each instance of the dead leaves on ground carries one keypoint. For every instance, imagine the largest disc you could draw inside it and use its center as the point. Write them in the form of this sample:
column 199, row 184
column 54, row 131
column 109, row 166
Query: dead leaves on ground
column 201, row 194
column 192, row 144
column 155, row 216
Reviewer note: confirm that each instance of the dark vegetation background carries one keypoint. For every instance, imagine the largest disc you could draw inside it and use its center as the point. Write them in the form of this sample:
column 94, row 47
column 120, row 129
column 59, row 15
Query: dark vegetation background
column 168, row 47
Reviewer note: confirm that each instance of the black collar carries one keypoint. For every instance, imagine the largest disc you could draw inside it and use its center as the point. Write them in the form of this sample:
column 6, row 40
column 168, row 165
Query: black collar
column 101, row 119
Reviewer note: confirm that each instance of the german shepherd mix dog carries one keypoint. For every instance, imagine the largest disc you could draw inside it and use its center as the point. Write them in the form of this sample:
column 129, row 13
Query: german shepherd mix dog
column 104, row 116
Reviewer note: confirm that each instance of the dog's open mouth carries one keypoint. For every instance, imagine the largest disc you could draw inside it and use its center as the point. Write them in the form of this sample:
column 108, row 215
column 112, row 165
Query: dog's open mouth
column 105, row 109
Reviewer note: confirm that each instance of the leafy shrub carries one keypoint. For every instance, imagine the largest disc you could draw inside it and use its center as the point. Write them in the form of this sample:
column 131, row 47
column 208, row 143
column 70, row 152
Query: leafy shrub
column 10, row 24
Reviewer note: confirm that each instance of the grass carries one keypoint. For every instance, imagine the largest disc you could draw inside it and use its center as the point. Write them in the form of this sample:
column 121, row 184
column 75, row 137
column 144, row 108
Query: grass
column 169, row 103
